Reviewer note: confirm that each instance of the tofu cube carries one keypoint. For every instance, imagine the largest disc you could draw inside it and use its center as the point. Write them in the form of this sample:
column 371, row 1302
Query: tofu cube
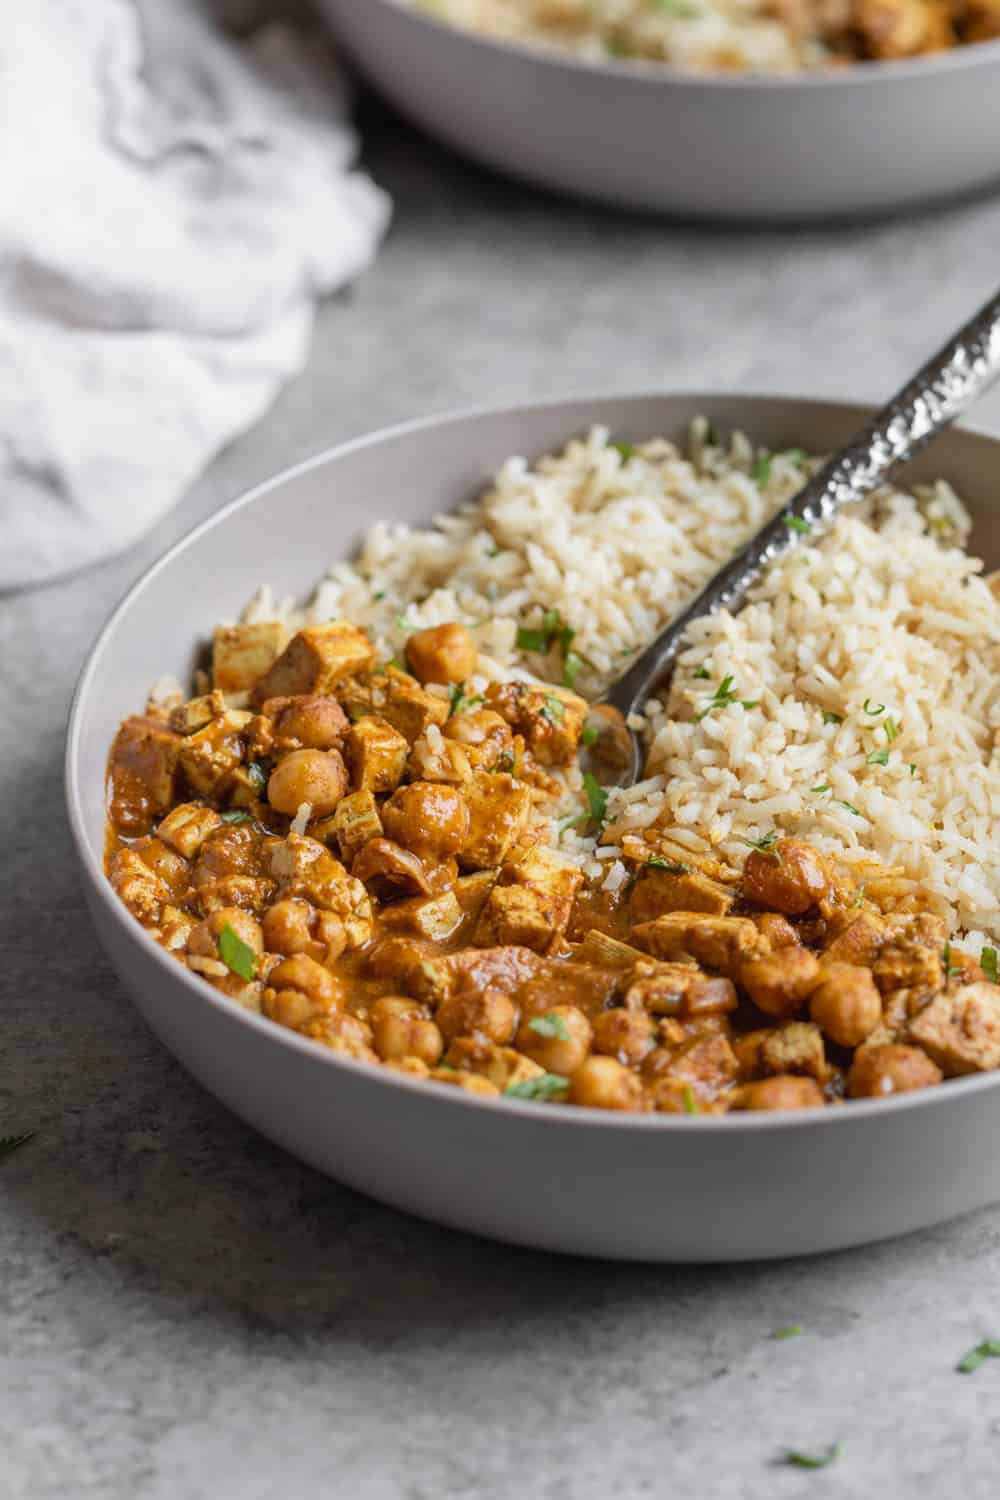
column 189, row 717
column 376, row 755
column 241, row 654
column 143, row 771
column 658, row 891
column 550, row 718
column 498, row 812
column 717, row 942
column 187, row 827
column 209, row 757
column 315, row 661
column 354, row 822
column 530, row 903
column 435, row 917
column 960, row 1029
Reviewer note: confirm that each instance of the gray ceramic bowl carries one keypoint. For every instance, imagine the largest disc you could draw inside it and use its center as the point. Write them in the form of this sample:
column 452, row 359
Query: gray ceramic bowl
column 862, row 140
column 644, row 1187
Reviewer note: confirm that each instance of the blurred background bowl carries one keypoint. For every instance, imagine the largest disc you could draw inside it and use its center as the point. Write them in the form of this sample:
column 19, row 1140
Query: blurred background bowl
column 860, row 140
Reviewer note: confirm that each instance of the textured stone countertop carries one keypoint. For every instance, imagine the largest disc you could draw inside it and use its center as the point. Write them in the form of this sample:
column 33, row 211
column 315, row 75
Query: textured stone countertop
column 188, row 1312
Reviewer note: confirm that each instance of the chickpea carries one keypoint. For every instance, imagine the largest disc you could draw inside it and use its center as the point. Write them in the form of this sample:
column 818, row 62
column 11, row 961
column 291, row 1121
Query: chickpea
column 318, row 777
column 299, row 990
column 890, row 1069
column 488, row 1012
column 288, row 927
column 784, row 1091
column 483, row 730
column 316, row 723
column 397, row 1036
column 846, row 1004
column 627, row 1035
column 557, row 1041
column 203, row 940
column 779, row 983
column 428, row 817
column 445, row 653
column 790, row 877
column 603, row 1083
column 396, row 1008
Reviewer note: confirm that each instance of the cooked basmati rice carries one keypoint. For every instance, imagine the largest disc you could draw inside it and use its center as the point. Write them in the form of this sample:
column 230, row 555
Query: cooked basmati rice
column 863, row 706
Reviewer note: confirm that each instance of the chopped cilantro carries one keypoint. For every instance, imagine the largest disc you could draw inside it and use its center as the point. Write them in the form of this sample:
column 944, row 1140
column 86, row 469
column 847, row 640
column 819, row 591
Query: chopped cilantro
column 10, row 1143
column 237, row 816
column 394, row 661
column 874, row 709
column 723, row 697
column 703, row 673
column 689, row 1100
column 799, row 1460
column 891, row 729
column 796, row 523
column 550, row 1025
column 912, row 767
column 765, row 845
column 760, row 472
column 405, row 624
column 597, row 798
column 860, row 894
column 458, row 702
column 950, row 969
column 571, row 822
column 237, row 955
column 589, row 735
column 257, row 776
column 823, row 787
column 672, row 866
column 850, row 808
column 712, row 438
column 829, row 717
column 988, row 964
column 571, row 668
column 506, row 762
column 627, row 450
column 988, row 1349
column 877, row 758
column 531, row 640
column 553, row 709
column 542, row 1086
column 790, row 1331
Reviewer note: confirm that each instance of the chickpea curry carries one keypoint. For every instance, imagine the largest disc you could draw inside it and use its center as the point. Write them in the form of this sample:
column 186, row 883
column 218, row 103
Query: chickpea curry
column 363, row 853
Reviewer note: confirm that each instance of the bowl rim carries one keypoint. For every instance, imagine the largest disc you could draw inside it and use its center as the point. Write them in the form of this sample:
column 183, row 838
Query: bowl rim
column 577, row 1116
column 648, row 73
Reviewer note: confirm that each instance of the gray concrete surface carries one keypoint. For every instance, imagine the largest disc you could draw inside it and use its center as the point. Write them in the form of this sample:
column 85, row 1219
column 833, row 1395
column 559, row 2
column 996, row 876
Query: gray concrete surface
column 189, row 1313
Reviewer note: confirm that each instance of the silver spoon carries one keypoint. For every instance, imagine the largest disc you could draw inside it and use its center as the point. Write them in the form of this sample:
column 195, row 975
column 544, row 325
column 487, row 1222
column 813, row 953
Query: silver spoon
column 944, row 388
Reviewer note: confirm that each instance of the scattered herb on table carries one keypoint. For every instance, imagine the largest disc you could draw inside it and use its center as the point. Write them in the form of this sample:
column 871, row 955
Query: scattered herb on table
column 237, row 955
column 542, row 1086
column 988, row 1349
column 10, row 1143
column 790, row 1331
column 550, row 1025
column 799, row 1460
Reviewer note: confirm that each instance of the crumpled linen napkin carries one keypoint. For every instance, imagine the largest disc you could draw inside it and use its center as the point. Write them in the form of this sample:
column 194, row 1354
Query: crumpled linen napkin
column 173, row 205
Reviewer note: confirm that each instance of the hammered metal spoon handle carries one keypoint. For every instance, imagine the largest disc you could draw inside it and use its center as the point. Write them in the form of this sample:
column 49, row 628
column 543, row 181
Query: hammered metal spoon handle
column 944, row 388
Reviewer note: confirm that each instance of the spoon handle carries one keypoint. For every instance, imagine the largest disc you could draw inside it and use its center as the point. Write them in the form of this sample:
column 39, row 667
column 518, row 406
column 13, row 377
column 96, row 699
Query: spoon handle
column 949, row 383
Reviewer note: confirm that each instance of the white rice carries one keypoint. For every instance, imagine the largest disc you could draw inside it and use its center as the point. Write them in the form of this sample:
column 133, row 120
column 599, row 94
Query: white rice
column 864, row 707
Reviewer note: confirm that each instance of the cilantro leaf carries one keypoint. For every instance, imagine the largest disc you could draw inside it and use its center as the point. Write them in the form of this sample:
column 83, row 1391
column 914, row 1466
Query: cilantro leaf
column 550, row 1025
column 829, row 717
column 542, row 1086
column 10, row 1143
column 627, row 450
column 672, row 866
column 988, row 964
column 760, row 471
column 257, row 776
column 690, row 1102
column 237, row 955
column 237, row 816
column 589, row 735
column 799, row 1460
column 553, row 709
column 988, row 1349
column 848, row 805
column 597, row 798
column 796, row 523
column 877, row 758
column 458, row 703
column 790, row 1331
column 873, row 709
column 765, row 845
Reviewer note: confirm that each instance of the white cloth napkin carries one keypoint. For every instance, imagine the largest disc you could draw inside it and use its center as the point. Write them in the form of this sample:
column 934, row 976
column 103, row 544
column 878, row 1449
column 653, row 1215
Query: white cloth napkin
column 172, row 205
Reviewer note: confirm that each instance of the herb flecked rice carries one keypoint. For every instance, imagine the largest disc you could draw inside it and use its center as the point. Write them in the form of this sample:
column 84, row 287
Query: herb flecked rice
column 854, row 702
